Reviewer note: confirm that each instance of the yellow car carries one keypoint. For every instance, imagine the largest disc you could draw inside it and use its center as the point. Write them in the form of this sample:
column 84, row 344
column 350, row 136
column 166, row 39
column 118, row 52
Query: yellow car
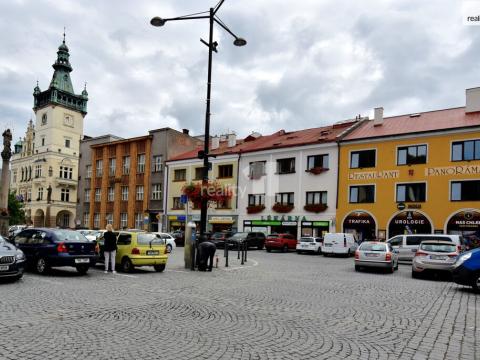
column 140, row 249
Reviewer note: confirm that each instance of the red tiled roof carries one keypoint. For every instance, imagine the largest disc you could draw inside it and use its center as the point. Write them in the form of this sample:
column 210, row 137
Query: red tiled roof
column 407, row 124
column 279, row 139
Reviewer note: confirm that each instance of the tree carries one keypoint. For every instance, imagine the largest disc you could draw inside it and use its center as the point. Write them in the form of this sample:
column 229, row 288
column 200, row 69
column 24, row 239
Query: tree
column 15, row 210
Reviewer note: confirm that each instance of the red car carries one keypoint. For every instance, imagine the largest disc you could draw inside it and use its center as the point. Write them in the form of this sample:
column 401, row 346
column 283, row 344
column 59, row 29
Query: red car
column 283, row 242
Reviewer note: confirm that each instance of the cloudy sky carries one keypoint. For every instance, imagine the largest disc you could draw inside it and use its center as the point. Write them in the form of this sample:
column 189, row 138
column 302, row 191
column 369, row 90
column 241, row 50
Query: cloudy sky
column 307, row 63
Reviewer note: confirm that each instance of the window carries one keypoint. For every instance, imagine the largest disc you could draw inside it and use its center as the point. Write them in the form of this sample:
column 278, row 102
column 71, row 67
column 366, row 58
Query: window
column 157, row 163
column 109, row 218
column 111, row 166
column 126, row 165
column 141, row 163
column 156, row 191
column 465, row 190
column 198, row 173
column 99, row 167
column 111, row 194
column 65, row 195
column 225, row 171
column 67, row 143
column 223, row 204
column 411, row 192
column 466, row 150
column 180, row 175
column 408, row 155
column 14, row 176
column 124, row 239
column 43, row 140
column 362, row 159
column 29, row 195
column 86, row 197
column 257, row 169
column 98, row 195
column 286, row 166
column 316, row 197
column 124, row 193
column 284, row 198
column 66, row 172
column 86, row 220
column 139, row 193
column 96, row 220
column 138, row 221
column 177, row 204
column 317, row 161
column 40, row 194
column 396, row 241
column 362, row 194
column 89, row 171
column 256, row 199
column 123, row 220
column 38, row 171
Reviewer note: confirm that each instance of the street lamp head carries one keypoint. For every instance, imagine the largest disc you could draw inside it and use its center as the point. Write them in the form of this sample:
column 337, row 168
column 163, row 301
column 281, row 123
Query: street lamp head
column 239, row 42
column 157, row 21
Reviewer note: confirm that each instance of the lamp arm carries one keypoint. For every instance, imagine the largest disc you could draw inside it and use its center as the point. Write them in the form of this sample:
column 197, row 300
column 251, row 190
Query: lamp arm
column 218, row 6
column 186, row 18
column 225, row 28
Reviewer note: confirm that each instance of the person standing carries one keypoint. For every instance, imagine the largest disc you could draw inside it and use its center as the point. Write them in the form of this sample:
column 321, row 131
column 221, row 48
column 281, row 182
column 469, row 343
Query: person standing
column 110, row 248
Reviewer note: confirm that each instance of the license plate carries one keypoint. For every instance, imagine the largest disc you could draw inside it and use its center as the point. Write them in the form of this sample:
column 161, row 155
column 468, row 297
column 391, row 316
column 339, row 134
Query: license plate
column 82, row 261
column 152, row 252
column 304, row 245
column 438, row 257
column 3, row 267
column 371, row 255
column 328, row 245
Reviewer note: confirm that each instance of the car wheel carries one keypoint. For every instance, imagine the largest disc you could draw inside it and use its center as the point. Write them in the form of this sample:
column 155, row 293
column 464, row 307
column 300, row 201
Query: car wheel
column 127, row 265
column 159, row 268
column 319, row 251
column 415, row 275
column 169, row 248
column 82, row 269
column 285, row 248
column 348, row 253
column 269, row 250
column 476, row 283
column 357, row 268
column 18, row 277
column 42, row 266
column 391, row 270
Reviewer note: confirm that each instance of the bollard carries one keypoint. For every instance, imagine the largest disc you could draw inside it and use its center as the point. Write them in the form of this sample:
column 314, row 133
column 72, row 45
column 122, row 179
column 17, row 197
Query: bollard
column 238, row 248
column 243, row 253
column 226, row 256
column 216, row 261
column 246, row 251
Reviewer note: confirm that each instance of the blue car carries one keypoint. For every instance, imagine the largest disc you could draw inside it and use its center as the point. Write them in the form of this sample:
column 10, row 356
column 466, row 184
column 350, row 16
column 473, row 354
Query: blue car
column 45, row 248
column 466, row 270
column 12, row 260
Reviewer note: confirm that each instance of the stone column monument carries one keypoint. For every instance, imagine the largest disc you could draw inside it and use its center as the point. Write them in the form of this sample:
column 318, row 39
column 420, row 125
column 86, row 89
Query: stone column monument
column 5, row 182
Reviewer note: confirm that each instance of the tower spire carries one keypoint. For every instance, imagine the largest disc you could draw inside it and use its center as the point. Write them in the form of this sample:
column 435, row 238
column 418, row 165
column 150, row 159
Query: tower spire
column 64, row 34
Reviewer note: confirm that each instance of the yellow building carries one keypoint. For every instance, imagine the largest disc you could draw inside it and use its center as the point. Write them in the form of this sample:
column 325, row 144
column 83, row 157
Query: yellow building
column 416, row 173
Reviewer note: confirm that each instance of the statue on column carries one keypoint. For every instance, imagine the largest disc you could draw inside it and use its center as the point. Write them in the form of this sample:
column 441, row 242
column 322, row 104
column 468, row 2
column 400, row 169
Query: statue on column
column 5, row 181
column 7, row 141
column 49, row 194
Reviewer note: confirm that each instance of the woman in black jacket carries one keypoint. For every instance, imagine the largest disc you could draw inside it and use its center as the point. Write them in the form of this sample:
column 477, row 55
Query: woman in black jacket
column 110, row 248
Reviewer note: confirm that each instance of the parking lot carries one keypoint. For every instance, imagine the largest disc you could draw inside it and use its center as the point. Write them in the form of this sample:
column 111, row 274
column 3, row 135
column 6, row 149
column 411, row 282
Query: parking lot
column 277, row 306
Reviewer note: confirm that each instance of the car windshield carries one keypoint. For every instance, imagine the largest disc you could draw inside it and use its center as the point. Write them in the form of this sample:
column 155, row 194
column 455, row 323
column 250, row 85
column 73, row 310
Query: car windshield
column 218, row 235
column 272, row 236
column 239, row 236
column 306, row 239
column 69, row 236
column 146, row 239
column 372, row 247
column 443, row 248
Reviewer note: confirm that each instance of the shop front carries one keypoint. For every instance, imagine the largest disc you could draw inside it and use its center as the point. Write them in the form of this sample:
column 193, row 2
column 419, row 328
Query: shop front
column 222, row 223
column 271, row 226
column 409, row 222
column 467, row 224
column 315, row 228
column 176, row 222
column 361, row 224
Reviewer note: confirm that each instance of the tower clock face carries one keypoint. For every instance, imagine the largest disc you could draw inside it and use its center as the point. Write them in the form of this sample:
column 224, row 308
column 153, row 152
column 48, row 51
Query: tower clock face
column 68, row 120
column 44, row 119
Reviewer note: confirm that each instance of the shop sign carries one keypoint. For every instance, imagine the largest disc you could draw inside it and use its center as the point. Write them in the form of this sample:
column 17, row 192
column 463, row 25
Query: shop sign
column 307, row 223
column 195, row 217
column 247, row 222
column 468, row 220
column 410, row 218
column 282, row 218
column 401, row 206
column 374, row 175
column 453, row 170
column 315, row 223
column 409, row 222
column 221, row 218
column 176, row 217
column 289, row 223
column 359, row 218
column 266, row 223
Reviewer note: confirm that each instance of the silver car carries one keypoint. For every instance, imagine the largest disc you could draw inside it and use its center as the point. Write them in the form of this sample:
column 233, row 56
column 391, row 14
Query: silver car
column 434, row 256
column 377, row 255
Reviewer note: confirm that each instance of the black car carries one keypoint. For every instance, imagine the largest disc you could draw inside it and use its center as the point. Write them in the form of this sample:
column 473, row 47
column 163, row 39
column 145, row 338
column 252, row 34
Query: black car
column 45, row 248
column 218, row 238
column 253, row 239
column 12, row 260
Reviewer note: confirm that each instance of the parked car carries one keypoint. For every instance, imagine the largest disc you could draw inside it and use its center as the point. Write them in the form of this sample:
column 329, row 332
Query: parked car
column 179, row 237
column 376, row 255
column 408, row 244
column 218, row 238
column 12, row 260
column 283, row 242
column 252, row 239
column 45, row 248
column 339, row 244
column 168, row 240
column 466, row 270
column 140, row 249
column 14, row 230
column 309, row 244
column 91, row 235
column 434, row 256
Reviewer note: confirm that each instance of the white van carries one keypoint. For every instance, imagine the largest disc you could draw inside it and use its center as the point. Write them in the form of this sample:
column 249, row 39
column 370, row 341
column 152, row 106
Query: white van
column 407, row 245
column 339, row 243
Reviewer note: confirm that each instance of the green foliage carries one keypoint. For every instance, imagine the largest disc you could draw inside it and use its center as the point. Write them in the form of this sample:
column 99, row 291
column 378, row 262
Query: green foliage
column 15, row 210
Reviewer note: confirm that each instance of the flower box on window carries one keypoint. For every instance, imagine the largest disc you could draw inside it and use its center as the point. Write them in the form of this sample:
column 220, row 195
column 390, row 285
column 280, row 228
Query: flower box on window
column 316, row 208
column 282, row 208
column 211, row 192
column 253, row 209
column 316, row 170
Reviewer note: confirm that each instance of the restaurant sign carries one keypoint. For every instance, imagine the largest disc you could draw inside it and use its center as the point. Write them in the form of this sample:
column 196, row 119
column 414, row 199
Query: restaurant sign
column 453, row 170
column 374, row 175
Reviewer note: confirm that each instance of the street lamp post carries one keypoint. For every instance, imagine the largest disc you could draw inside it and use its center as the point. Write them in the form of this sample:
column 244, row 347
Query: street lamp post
column 212, row 46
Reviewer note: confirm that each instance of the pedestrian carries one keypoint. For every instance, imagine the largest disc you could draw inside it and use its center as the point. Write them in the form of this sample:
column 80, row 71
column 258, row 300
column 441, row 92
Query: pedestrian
column 110, row 248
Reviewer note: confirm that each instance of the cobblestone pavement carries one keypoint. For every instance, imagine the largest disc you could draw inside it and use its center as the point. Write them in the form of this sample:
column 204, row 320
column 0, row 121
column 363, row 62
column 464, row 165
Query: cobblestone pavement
column 278, row 306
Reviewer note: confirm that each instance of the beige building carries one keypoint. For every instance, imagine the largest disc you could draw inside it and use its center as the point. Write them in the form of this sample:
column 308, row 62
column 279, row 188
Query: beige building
column 44, row 167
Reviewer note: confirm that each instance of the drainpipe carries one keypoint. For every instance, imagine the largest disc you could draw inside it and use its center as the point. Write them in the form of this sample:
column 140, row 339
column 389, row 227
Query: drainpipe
column 338, row 180
column 236, row 191
column 165, row 198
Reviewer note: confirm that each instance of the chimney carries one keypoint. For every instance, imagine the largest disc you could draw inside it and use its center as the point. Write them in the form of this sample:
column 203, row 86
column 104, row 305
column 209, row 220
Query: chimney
column 472, row 100
column 232, row 140
column 378, row 118
column 215, row 143
column 186, row 131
